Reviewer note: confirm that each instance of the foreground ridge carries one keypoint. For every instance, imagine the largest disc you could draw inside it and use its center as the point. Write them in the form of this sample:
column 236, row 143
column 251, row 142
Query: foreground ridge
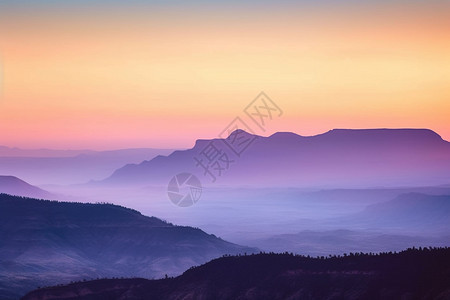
column 419, row 273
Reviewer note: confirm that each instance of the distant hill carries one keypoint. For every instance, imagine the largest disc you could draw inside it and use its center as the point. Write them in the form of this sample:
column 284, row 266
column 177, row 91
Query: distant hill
column 69, row 166
column 18, row 152
column 49, row 242
column 411, row 274
column 15, row 186
column 411, row 211
column 341, row 241
column 338, row 158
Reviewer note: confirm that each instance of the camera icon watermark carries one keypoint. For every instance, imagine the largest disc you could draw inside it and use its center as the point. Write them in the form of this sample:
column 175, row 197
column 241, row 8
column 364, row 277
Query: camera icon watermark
column 184, row 189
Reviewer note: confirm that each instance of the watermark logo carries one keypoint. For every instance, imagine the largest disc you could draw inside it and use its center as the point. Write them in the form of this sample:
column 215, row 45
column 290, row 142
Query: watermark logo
column 238, row 136
column 262, row 110
column 213, row 160
column 184, row 189
column 218, row 156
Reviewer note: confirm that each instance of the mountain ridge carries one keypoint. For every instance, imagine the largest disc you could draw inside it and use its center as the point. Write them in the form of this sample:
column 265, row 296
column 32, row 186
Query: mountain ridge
column 60, row 167
column 45, row 241
column 284, row 276
column 404, row 156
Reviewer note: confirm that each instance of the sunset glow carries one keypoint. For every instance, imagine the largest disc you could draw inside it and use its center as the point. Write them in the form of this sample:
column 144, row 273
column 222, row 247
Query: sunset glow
column 146, row 75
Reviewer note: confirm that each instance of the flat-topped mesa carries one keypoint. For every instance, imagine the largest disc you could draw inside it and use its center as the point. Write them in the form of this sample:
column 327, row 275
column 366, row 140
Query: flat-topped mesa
column 418, row 134
column 337, row 158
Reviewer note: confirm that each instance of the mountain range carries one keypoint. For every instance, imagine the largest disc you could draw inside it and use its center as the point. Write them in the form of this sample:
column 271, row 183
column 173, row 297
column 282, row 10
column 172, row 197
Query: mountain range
column 412, row 211
column 63, row 167
column 48, row 242
column 283, row 192
column 407, row 220
column 338, row 158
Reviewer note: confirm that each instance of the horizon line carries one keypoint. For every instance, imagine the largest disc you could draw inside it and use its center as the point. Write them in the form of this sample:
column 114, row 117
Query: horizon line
column 84, row 149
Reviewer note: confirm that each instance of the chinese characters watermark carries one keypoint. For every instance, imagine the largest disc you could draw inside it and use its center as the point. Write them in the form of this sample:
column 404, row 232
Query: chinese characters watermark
column 213, row 160
column 237, row 136
column 262, row 110
column 219, row 155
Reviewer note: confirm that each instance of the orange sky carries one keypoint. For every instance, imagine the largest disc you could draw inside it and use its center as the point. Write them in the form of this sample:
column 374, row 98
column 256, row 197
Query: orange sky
column 164, row 77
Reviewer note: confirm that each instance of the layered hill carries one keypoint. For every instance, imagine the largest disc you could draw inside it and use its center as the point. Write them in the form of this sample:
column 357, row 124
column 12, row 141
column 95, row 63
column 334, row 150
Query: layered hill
column 415, row 211
column 411, row 274
column 338, row 158
column 69, row 166
column 15, row 186
column 50, row 242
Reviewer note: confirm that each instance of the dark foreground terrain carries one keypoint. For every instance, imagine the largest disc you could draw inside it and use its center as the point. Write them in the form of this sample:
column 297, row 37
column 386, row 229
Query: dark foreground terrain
column 49, row 242
column 411, row 274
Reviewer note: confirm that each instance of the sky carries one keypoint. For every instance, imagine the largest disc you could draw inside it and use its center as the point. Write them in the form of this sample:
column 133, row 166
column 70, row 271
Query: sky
column 116, row 74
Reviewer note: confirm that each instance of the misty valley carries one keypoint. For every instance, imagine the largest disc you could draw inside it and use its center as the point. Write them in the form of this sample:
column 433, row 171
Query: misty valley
column 298, row 209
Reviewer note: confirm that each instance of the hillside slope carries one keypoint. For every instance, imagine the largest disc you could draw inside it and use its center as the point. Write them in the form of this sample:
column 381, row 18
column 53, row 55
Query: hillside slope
column 49, row 242
column 411, row 274
column 15, row 186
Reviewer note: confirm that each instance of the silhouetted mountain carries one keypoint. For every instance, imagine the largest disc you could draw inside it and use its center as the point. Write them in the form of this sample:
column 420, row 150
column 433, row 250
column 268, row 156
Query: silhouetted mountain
column 411, row 274
column 49, row 242
column 15, row 186
column 338, row 158
column 69, row 166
